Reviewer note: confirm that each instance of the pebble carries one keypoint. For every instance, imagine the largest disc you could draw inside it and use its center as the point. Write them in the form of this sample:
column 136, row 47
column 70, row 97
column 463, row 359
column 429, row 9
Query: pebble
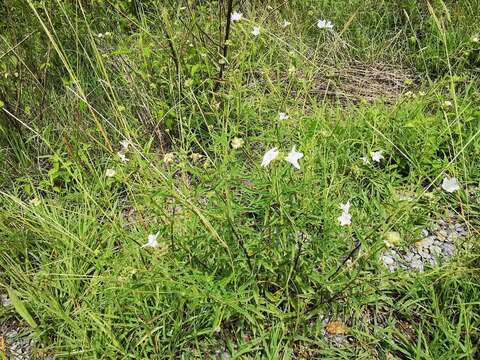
column 388, row 260
column 442, row 235
column 5, row 301
column 417, row 265
column 436, row 250
column 448, row 249
column 425, row 243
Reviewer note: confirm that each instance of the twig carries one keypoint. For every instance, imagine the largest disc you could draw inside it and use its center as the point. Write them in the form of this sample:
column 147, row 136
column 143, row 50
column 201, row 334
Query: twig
column 299, row 251
column 225, row 43
column 166, row 30
column 349, row 256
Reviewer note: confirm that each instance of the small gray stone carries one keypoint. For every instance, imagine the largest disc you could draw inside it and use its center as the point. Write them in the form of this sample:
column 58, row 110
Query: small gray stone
column 388, row 260
column 408, row 257
column 448, row 249
column 5, row 300
column 425, row 254
column 417, row 265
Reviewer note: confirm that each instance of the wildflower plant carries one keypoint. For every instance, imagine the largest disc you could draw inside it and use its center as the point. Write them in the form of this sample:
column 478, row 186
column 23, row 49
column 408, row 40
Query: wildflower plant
column 232, row 225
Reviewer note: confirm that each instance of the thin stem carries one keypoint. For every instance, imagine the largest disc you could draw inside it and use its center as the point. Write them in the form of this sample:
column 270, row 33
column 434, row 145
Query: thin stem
column 225, row 42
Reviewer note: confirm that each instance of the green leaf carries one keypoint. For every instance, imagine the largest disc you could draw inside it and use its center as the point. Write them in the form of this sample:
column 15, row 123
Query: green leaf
column 83, row 105
column 147, row 51
column 20, row 308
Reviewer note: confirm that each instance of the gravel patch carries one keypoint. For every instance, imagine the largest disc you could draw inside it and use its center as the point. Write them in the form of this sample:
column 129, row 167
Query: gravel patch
column 17, row 346
column 435, row 246
column 14, row 341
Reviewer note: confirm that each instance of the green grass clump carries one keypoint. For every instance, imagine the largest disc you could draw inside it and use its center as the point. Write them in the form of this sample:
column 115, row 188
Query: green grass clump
column 251, row 261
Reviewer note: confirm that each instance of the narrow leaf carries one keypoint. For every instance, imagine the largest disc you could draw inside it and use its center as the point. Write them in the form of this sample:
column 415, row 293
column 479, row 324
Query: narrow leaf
column 20, row 308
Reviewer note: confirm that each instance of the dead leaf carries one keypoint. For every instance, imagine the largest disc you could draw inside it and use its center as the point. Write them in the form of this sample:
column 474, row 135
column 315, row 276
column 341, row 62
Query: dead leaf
column 336, row 328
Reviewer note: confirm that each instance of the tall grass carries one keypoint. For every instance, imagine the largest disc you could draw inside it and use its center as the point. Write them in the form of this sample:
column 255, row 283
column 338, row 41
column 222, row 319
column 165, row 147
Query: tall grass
column 252, row 261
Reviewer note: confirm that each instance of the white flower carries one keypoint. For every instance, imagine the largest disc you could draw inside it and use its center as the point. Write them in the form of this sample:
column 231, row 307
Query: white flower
column 125, row 144
column 237, row 143
column 256, row 31
column 365, row 160
column 282, row 116
column 168, row 158
column 110, row 173
column 450, row 184
column 152, row 241
column 286, row 23
column 35, row 201
column 269, row 156
column 236, row 16
column 345, row 219
column 346, row 207
column 447, row 104
column 325, row 24
column 122, row 157
column 195, row 157
column 475, row 39
column 293, row 157
column 377, row 155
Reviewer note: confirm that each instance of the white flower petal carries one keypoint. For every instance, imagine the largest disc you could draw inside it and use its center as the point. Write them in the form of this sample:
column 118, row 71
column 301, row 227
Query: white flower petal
column 237, row 143
column 110, row 173
column 256, row 31
column 447, row 104
column 122, row 157
column 152, row 241
column 377, row 155
column 346, row 207
column 325, row 24
column 236, row 16
column 450, row 184
column 345, row 219
column 269, row 156
column 35, row 201
column 125, row 144
column 286, row 23
column 365, row 160
column 293, row 157
column 282, row 116
column 169, row 158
